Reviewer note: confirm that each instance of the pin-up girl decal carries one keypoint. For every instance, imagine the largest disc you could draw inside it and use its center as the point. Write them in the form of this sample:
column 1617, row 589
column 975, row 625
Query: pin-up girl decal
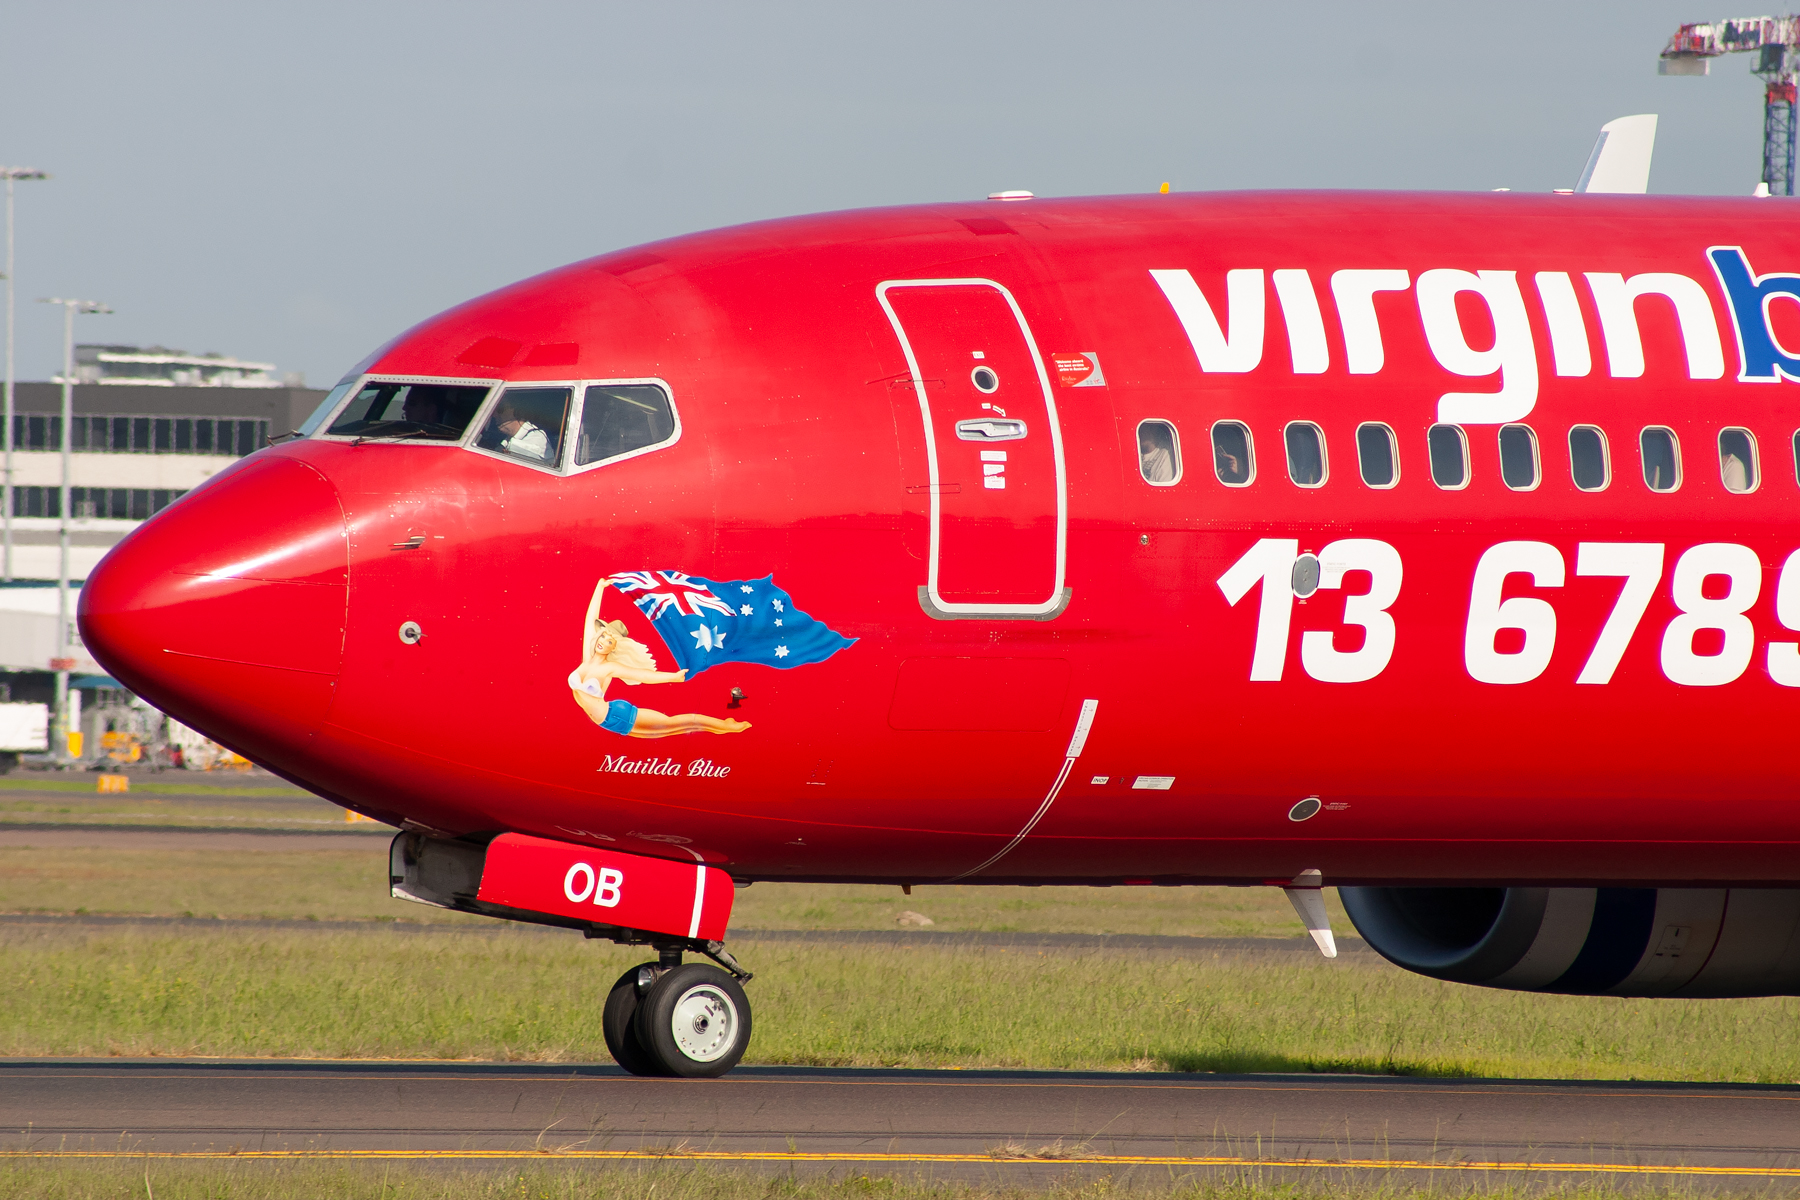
column 608, row 654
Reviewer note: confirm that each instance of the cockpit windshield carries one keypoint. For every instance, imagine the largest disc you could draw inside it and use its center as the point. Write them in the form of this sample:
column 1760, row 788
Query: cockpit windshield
column 423, row 412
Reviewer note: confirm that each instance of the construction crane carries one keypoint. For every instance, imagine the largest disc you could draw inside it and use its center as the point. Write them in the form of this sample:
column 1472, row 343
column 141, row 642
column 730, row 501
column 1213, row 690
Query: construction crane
column 1776, row 43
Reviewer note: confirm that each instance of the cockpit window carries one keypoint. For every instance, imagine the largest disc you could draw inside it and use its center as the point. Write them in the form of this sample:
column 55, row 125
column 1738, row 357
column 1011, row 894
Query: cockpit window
column 527, row 424
column 420, row 412
column 619, row 418
column 326, row 407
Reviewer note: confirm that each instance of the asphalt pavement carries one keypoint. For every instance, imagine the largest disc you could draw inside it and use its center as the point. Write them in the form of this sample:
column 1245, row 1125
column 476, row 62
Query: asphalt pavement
column 1014, row 1123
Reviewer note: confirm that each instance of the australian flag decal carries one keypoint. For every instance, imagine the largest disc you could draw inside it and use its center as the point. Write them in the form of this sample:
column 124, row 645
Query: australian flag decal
column 706, row 622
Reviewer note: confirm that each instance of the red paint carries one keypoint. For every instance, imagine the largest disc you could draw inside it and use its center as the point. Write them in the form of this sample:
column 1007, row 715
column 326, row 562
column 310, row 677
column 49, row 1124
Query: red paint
column 606, row 887
column 803, row 453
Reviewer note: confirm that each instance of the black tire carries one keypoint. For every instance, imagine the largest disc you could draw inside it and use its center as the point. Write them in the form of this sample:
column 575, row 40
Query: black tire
column 695, row 1021
column 618, row 1023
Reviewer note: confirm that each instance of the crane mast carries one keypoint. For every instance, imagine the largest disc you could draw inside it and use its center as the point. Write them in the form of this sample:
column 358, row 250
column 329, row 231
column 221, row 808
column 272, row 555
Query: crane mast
column 1776, row 43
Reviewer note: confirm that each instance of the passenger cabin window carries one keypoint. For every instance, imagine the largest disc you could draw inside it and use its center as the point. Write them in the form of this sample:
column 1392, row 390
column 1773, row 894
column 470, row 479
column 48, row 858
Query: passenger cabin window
column 1449, row 456
column 527, row 424
column 617, row 419
column 416, row 412
column 1234, row 455
column 1519, row 467
column 1738, row 468
column 1377, row 455
column 1662, row 458
column 1305, row 454
column 1589, row 462
column 1159, row 453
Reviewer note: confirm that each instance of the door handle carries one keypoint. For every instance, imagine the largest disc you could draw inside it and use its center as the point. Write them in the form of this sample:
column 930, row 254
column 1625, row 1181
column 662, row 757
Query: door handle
column 990, row 429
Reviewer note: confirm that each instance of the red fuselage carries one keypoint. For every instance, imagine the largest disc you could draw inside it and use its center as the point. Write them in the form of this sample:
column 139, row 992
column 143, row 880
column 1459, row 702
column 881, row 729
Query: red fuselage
column 1540, row 683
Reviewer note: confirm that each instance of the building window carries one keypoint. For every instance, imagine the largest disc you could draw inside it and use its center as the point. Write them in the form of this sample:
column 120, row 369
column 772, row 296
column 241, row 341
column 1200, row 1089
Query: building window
column 115, row 504
column 141, row 435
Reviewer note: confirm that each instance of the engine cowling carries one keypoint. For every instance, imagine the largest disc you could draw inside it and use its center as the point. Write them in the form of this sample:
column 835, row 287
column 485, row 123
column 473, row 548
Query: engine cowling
column 1590, row 941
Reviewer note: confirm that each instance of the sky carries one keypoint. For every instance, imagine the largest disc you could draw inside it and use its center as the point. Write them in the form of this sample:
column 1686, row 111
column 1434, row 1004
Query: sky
column 298, row 183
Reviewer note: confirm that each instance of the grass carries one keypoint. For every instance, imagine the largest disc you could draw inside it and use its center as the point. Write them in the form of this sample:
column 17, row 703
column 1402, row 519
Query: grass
column 381, row 994
column 174, row 784
column 351, row 884
column 168, row 799
column 266, row 1181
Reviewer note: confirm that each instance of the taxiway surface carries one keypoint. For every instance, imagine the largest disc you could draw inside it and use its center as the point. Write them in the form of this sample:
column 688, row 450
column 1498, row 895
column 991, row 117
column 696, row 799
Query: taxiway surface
column 873, row 1117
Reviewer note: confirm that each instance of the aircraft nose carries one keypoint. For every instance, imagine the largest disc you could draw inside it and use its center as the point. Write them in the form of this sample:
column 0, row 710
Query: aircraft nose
column 227, row 609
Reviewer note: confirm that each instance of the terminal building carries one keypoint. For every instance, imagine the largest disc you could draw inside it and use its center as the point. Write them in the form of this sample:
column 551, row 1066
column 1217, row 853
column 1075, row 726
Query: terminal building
column 149, row 425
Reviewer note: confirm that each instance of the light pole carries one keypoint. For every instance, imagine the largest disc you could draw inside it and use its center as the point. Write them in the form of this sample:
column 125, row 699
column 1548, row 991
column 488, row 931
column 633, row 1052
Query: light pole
column 6, row 488
column 63, row 660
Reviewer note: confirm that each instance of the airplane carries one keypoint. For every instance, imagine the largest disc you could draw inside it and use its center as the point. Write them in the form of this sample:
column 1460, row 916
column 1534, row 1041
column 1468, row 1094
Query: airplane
column 1438, row 547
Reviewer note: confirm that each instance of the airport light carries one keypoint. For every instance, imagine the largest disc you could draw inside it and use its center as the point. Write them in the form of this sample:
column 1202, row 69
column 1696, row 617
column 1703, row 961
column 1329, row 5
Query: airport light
column 64, row 660
column 10, row 174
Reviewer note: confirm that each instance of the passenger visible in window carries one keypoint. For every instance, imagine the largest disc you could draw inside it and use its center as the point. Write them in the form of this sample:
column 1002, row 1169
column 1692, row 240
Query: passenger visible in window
column 617, row 419
column 1737, row 479
column 527, row 424
column 1159, row 454
column 1233, row 460
column 1662, row 459
column 1737, row 460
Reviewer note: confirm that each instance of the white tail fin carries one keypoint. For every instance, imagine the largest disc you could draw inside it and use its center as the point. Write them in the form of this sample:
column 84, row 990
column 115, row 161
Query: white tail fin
column 1620, row 163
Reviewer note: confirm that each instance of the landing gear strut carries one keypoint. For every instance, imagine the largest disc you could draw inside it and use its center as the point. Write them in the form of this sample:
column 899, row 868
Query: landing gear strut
column 669, row 1018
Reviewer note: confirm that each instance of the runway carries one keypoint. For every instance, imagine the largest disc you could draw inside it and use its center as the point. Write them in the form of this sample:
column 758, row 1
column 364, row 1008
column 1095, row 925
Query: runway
column 954, row 1121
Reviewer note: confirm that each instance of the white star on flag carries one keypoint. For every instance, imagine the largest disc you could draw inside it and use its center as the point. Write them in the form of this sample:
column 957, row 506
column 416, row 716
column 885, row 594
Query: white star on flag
column 781, row 652
column 777, row 605
column 778, row 620
column 708, row 638
column 744, row 609
column 744, row 588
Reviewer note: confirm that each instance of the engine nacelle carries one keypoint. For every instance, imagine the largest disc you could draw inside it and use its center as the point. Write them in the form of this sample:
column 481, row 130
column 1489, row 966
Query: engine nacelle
column 1590, row 941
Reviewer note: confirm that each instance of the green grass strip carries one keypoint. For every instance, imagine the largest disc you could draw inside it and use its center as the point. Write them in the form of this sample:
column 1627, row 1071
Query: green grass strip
column 382, row 995
column 28, row 783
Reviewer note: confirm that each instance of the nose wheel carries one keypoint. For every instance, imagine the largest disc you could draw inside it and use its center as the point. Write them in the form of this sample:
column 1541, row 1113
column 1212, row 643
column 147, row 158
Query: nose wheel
column 688, row 1021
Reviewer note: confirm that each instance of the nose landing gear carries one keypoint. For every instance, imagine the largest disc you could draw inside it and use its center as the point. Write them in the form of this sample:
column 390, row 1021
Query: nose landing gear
column 669, row 1018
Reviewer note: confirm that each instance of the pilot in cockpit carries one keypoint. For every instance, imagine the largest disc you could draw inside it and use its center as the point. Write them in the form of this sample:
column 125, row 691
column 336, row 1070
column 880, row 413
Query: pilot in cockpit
column 523, row 439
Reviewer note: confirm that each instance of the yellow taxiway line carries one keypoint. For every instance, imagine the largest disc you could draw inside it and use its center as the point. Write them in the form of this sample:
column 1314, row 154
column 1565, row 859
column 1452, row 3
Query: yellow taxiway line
column 796, row 1156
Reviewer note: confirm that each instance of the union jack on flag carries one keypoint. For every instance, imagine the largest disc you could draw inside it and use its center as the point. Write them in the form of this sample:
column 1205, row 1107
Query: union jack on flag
column 662, row 592
column 759, row 624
